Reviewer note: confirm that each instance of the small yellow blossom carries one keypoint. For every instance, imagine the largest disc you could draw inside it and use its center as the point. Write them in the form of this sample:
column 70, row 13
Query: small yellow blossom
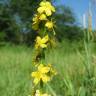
column 41, row 42
column 38, row 17
column 49, row 24
column 38, row 93
column 41, row 74
column 36, row 20
column 46, row 7
column 43, row 17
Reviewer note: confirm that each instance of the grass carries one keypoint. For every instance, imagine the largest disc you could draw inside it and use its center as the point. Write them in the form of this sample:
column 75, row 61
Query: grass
column 15, row 69
column 69, row 59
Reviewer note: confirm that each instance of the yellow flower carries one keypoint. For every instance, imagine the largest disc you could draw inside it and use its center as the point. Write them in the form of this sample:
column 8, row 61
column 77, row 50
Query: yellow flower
column 36, row 20
column 46, row 7
column 41, row 74
column 38, row 17
column 41, row 42
column 38, row 93
column 43, row 17
column 49, row 24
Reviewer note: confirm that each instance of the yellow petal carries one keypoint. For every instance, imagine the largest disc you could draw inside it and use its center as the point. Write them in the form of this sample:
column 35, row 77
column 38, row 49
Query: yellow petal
column 36, row 19
column 41, row 9
column 43, row 3
column 53, row 9
column 45, row 70
column 37, row 93
column 40, row 67
column 43, row 17
column 45, row 78
column 36, row 81
column 48, row 4
column 46, row 94
column 43, row 45
column 45, row 39
column 34, row 74
column 37, row 76
column 48, row 12
column 49, row 24
column 38, row 39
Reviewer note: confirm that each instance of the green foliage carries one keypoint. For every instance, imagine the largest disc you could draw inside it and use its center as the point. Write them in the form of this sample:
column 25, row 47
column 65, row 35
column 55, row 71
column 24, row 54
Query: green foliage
column 64, row 15
column 72, row 78
column 25, row 9
column 69, row 32
column 66, row 24
column 2, row 36
column 16, row 18
column 15, row 71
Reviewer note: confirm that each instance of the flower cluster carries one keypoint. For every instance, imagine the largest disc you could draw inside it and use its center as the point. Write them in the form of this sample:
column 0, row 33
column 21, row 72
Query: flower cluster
column 42, row 22
column 45, row 10
column 41, row 42
column 43, row 74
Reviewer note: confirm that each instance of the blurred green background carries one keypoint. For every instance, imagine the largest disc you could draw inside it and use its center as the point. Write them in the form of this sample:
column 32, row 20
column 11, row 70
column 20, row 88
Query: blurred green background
column 16, row 22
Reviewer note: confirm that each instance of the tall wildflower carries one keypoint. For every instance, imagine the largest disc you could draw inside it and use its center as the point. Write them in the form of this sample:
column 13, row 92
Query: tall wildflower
column 43, row 23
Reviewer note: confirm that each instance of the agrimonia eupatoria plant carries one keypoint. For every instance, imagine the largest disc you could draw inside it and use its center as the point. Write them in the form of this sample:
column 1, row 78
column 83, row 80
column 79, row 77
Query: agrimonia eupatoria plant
column 44, row 25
